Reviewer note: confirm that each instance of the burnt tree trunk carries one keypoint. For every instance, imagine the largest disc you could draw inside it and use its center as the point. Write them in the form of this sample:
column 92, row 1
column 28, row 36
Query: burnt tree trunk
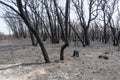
column 66, row 30
column 105, row 35
column 114, row 36
column 87, row 42
column 32, row 38
column 62, row 51
column 118, row 38
column 105, row 24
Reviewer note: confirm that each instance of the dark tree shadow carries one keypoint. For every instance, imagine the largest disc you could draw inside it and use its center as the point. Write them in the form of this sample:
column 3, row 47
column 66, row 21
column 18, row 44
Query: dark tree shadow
column 22, row 64
column 29, row 64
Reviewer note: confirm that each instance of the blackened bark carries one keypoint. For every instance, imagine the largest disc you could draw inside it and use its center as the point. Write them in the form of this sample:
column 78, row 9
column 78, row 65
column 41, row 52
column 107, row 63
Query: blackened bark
column 114, row 36
column 87, row 42
column 62, row 51
column 32, row 38
column 104, row 15
column 43, row 49
column 105, row 35
column 118, row 38
column 66, row 30
column 75, row 53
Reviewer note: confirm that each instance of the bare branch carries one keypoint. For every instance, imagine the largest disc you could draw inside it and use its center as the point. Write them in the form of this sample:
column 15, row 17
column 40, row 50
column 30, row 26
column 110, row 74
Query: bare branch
column 10, row 7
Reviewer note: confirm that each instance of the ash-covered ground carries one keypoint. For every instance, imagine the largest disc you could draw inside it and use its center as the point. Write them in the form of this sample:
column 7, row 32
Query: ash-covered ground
column 21, row 61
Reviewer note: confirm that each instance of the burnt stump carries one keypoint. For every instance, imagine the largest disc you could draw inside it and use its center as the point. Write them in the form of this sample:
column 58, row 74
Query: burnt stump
column 75, row 53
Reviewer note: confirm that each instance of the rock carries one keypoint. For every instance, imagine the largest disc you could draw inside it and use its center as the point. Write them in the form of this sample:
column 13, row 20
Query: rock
column 100, row 56
column 105, row 57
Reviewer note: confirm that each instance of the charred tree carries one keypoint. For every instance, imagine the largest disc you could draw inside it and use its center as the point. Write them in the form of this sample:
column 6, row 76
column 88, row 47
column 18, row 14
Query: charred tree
column 21, row 12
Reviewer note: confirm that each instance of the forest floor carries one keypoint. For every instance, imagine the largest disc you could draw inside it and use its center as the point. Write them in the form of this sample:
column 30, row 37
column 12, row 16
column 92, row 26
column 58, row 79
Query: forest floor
column 21, row 61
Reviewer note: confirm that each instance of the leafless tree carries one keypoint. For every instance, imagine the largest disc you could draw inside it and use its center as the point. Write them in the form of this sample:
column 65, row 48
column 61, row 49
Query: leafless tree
column 93, row 8
column 66, row 29
column 109, row 9
column 63, row 22
column 22, row 10
column 103, row 8
column 50, row 11
column 15, row 24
